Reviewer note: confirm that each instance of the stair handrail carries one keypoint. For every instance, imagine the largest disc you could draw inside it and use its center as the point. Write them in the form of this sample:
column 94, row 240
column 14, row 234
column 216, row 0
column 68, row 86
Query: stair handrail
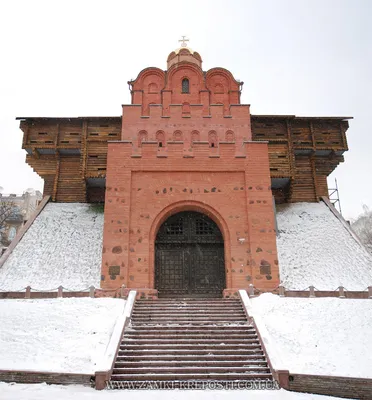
column 108, row 360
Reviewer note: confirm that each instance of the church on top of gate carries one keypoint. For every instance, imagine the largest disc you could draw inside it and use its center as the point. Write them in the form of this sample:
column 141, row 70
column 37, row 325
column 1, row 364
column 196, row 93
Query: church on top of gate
column 189, row 179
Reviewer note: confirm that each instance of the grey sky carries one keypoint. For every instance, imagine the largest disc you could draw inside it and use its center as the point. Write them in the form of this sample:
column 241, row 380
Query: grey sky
column 74, row 58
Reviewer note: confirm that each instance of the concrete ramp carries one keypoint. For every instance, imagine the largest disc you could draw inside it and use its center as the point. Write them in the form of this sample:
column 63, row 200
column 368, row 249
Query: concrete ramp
column 317, row 247
column 62, row 247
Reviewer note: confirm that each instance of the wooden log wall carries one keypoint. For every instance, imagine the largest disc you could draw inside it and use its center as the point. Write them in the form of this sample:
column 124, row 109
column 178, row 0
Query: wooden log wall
column 99, row 133
column 304, row 150
column 327, row 134
column 42, row 135
column 275, row 132
column 67, row 151
column 96, row 158
column 71, row 153
column 279, row 159
column 70, row 134
column 303, row 187
column 71, row 185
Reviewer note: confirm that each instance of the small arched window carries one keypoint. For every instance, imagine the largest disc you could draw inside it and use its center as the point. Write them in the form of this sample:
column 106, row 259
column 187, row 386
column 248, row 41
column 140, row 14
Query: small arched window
column 185, row 86
column 153, row 88
column 142, row 137
column 212, row 139
column 177, row 136
column 195, row 137
column 160, row 138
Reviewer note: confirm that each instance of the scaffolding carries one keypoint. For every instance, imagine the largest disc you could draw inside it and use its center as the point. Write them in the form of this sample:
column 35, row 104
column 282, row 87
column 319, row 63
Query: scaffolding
column 334, row 197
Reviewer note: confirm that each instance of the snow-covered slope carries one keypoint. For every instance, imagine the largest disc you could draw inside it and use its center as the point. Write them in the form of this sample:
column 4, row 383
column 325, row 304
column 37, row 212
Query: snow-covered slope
column 62, row 247
column 315, row 248
column 57, row 335
column 325, row 336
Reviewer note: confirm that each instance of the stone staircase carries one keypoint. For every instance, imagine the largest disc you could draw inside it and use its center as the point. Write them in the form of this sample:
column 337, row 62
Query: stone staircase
column 188, row 340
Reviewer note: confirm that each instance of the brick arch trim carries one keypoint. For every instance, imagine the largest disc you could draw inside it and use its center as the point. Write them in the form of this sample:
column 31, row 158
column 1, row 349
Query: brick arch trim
column 189, row 205
column 186, row 69
column 223, row 72
column 137, row 83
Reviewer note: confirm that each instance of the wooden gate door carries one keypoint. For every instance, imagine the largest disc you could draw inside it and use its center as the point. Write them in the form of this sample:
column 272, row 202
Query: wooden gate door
column 189, row 257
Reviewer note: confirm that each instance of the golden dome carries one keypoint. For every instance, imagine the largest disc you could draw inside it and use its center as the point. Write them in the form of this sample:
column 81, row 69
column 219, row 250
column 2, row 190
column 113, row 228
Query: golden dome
column 184, row 54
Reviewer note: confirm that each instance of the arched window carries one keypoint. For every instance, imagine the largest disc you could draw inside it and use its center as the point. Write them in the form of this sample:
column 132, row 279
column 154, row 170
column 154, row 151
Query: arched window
column 185, row 86
column 229, row 136
column 212, row 139
column 195, row 137
column 153, row 88
column 160, row 138
column 177, row 136
column 186, row 108
column 142, row 137
column 219, row 88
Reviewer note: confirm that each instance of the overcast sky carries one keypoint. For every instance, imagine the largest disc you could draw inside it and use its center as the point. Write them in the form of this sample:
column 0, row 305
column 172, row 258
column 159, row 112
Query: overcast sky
column 74, row 58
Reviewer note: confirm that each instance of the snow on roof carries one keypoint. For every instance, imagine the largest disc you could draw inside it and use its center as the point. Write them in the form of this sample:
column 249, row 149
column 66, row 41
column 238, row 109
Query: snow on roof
column 62, row 247
column 316, row 248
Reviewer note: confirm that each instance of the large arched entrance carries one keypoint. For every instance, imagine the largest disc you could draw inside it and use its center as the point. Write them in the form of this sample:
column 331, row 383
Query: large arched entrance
column 189, row 257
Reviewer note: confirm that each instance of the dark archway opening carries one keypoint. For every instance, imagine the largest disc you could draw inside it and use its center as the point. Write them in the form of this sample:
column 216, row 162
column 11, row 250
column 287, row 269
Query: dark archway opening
column 189, row 257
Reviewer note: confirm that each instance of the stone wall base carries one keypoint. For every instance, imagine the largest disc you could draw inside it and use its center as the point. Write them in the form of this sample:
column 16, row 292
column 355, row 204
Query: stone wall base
column 350, row 388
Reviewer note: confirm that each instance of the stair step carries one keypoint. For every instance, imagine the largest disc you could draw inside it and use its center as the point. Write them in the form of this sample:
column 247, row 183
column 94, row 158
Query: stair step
column 182, row 306
column 172, row 342
column 192, row 357
column 190, row 346
column 191, row 376
column 174, row 321
column 212, row 328
column 188, row 321
column 187, row 324
column 189, row 301
column 188, row 384
column 189, row 336
column 184, row 311
column 189, row 332
column 183, row 370
column 187, row 363
column 188, row 308
column 189, row 315
column 187, row 339
column 140, row 351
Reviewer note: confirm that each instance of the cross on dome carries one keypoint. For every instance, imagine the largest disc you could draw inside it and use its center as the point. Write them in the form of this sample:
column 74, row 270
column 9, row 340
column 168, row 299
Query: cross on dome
column 184, row 40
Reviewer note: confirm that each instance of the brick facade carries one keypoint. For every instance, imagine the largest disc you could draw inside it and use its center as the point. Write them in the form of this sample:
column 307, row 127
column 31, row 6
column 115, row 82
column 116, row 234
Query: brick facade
column 188, row 152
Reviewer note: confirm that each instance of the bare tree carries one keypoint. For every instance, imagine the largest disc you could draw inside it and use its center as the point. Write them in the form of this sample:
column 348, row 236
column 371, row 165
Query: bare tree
column 363, row 227
column 6, row 209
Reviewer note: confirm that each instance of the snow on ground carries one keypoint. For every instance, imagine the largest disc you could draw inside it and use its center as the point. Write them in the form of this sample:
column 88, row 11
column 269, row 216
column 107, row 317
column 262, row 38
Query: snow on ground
column 47, row 392
column 56, row 335
column 62, row 247
column 315, row 248
column 325, row 336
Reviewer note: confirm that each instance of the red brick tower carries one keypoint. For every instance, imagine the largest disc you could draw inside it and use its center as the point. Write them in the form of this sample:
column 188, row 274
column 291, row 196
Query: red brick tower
column 188, row 207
